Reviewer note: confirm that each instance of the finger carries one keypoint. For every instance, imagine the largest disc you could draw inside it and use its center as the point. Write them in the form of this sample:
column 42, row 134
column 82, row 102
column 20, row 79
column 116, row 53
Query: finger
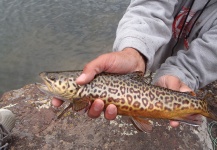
column 96, row 108
column 173, row 83
column 170, row 82
column 111, row 112
column 174, row 123
column 56, row 102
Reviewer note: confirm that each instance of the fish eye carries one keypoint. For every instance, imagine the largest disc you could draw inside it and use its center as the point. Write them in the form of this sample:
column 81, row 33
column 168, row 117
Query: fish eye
column 51, row 77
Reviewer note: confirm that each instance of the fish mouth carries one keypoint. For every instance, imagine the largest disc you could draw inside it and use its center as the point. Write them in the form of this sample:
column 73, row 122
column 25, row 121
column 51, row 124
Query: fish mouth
column 47, row 82
column 42, row 87
column 43, row 74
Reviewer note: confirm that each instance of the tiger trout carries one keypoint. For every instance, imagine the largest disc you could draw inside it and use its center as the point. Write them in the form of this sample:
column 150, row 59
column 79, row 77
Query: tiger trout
column 131, row 94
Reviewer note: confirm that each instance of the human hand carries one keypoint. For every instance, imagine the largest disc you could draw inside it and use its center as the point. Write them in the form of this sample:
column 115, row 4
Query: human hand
column 126, row 61
column 173, row 83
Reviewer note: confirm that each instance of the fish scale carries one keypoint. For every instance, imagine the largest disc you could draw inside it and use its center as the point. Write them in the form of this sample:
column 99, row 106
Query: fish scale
column 130, row 93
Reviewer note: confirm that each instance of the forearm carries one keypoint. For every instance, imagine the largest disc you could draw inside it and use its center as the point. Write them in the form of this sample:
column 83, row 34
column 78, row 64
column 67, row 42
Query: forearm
column 195, row 67
column 146, row 26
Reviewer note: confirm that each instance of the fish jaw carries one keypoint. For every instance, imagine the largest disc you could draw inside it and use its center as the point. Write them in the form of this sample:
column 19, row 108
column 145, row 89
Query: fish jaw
column 43, row 88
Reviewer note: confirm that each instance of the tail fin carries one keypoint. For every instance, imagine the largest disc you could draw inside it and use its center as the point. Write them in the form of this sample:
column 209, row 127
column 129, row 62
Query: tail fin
column 211, row 100
column 212, row 111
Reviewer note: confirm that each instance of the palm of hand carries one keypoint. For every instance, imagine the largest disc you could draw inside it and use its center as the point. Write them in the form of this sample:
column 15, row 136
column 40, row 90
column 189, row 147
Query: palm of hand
column 173, row 83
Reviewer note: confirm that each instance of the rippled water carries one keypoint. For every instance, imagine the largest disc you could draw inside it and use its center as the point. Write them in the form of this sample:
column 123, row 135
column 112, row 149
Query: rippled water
column 39, row 35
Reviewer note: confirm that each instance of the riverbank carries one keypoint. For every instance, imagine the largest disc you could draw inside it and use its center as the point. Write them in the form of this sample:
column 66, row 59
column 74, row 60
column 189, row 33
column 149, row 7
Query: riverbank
column 36, row 129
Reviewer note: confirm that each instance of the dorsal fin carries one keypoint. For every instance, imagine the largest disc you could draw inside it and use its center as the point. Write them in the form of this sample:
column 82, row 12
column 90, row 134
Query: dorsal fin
column 139, row 76
column 148, row 78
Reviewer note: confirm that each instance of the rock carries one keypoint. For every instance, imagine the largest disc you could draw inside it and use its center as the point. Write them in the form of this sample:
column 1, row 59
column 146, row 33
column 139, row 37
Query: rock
column 36, row 129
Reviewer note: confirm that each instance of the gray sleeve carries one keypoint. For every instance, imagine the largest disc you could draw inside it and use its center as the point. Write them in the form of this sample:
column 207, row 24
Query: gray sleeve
column 146, row 26
column 197, row 66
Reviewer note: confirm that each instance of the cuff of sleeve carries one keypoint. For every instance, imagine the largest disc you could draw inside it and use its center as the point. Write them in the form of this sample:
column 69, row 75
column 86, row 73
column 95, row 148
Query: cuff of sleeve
column 173, row 71
column 137, row 44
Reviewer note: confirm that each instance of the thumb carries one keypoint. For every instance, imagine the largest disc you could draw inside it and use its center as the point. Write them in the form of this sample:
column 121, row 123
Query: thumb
column 87, row 75
column 184, row 88
column 94, row 67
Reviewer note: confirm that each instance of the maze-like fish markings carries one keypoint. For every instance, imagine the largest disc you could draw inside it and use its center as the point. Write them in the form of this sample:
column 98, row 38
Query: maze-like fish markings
column 131, row 94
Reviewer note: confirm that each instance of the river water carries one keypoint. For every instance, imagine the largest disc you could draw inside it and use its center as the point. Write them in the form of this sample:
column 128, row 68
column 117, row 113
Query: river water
column 41, row 35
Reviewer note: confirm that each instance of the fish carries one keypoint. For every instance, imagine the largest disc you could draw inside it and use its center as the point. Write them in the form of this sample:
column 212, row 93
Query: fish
column 131, row 94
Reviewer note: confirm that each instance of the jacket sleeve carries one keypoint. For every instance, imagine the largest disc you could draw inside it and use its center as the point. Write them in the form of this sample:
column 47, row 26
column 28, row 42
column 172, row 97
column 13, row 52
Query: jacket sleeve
column 146, row 26
column 197, row 66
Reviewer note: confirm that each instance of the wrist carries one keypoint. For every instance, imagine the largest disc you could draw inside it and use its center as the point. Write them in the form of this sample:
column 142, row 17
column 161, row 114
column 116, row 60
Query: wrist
column 139, row 57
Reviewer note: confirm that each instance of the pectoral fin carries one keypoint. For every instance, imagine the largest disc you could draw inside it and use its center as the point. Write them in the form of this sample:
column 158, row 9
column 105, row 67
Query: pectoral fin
column 64, row 111
column 80, row 104
column 141, row 124
column 139, row 76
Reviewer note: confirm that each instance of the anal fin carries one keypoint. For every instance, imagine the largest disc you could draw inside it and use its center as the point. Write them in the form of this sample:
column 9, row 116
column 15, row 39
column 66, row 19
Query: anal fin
column 193, row 119
column 141, row 124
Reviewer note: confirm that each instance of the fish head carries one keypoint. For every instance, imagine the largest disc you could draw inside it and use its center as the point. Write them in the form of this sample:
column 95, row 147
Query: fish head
column 57, row 85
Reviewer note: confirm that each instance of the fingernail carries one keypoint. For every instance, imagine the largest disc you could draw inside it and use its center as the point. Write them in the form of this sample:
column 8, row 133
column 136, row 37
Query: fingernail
column 110, row 112
column 111, row 109
column 97, row 109
column 81, row 78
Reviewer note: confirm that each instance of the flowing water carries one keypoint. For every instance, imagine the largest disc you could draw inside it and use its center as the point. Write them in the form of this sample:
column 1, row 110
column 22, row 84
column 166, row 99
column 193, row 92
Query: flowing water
column 39, row 35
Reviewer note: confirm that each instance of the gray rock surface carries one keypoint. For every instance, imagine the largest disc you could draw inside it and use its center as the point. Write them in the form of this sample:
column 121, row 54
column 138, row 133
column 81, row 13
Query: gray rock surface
column 36, row 129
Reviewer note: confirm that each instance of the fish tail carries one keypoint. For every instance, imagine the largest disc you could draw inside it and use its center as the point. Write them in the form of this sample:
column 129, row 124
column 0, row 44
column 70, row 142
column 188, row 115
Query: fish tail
column 211, row 101
column 212, row 112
